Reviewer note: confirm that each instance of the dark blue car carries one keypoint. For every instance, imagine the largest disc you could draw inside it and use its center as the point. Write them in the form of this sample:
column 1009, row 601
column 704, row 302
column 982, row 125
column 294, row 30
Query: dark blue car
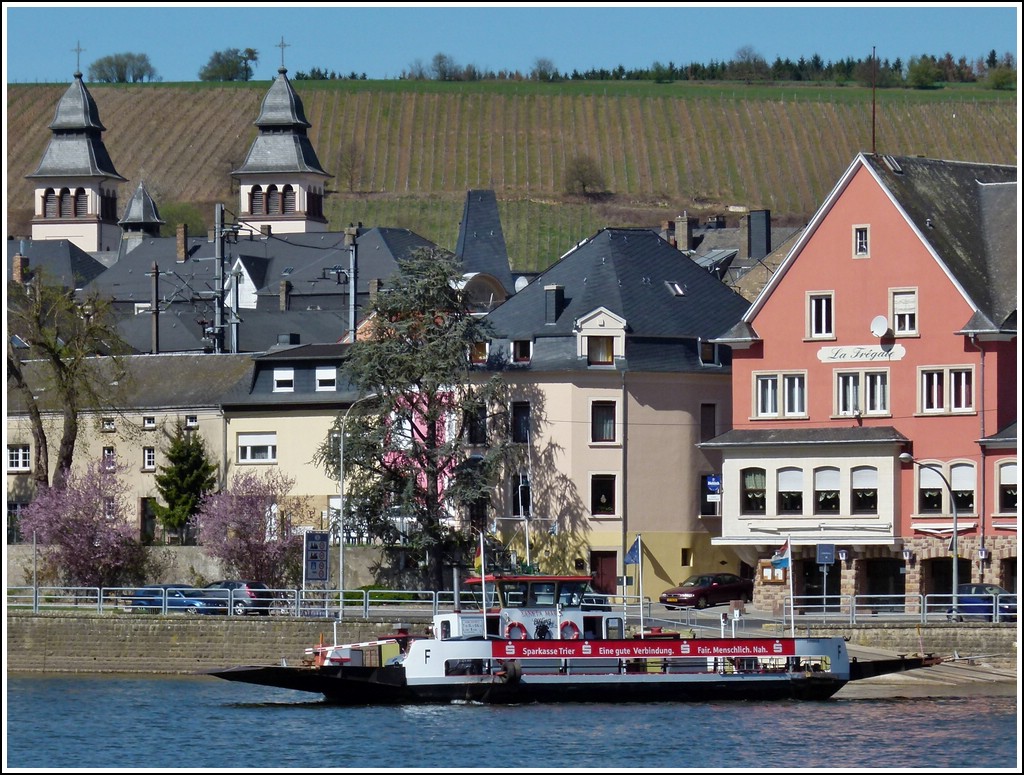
column 180, row 598
column 980, row 601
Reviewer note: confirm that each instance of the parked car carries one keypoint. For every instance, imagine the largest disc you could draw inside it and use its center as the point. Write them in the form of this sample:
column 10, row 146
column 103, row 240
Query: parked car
column 244, row 597
column 978, row 601
column 706, row 589
column 180, row 597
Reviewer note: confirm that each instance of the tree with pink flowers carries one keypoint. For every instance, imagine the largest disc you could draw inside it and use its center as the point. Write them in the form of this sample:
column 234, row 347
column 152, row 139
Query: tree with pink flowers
column 85, row 529
column 250, row 527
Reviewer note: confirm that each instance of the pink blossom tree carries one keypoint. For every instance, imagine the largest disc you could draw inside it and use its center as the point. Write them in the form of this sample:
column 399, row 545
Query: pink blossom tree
column 250, row 527
column 85, row 529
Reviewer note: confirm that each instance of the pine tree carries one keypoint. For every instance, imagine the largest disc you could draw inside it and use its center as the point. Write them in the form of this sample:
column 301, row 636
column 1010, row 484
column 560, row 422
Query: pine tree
column 182, row 483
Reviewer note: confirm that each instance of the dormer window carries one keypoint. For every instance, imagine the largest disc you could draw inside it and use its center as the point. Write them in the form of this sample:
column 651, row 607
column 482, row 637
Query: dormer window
column 326, row 378
column 708, row 353
column 284, row 380
column 600, row 351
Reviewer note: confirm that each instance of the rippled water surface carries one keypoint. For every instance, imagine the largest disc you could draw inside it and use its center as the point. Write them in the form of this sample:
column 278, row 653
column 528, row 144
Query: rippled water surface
column 203, row 722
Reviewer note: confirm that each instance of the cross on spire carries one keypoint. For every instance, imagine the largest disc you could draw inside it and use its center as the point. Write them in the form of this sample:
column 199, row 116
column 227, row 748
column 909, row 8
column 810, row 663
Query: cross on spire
column 78, row 56
column 282, row 45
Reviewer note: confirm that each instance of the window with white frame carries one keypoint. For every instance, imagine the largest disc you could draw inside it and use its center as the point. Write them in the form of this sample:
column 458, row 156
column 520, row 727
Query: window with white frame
column 520, row 495
column 602, row 495
column 522, row 350
column 864, row 490
column 149, row 458
column 861, row 246
column 1007, row 488
column 947, row 390
column 107, row 425
column 904, row 311
column 793, row 389
column 326, row 378
column 862, row 392
column 826, row 490
column 148, row 423
column 520, row 422
column 191, row 421
column 929, row 491
column 820, row 317
column 602, row 421
column 109, row 508
column 257, row 447
column 108, row 458
column 19, row 457
column 284, row 380
column 962, row 483
column 600, row 350
column 790, row 490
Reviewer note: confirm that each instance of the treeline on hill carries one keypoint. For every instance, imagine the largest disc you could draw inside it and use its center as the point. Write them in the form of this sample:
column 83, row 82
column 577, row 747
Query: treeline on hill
column 920, row 72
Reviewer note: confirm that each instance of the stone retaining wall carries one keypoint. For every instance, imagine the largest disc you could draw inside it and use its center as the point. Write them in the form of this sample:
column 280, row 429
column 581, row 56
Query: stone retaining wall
column 145, row 643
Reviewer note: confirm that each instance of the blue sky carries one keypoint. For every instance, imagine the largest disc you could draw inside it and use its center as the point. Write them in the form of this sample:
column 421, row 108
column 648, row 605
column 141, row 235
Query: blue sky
column 384, row 39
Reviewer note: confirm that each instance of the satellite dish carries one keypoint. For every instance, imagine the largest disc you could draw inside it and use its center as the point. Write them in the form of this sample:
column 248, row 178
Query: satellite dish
column 879, row 326
column 521, row 282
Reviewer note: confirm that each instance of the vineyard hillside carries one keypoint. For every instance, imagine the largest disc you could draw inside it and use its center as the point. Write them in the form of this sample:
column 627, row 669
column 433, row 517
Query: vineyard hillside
column 404, row 153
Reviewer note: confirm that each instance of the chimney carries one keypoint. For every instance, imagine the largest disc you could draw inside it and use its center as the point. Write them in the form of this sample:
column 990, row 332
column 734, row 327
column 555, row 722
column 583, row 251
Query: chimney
column 744, row 239
column 265, row 230
column 760, row 234
column 554, row 302
column 19, row 269
column 283, row 295
column 181, row 242
column 684, row 232
column 374, row 287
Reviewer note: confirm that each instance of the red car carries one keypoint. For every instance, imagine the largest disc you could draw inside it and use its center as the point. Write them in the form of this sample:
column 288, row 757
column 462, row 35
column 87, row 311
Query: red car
column 706, row 589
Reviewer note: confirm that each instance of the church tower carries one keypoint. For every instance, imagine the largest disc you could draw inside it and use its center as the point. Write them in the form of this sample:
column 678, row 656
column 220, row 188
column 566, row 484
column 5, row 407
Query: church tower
column 141, row 219
column 76, row 183
column 281, row 182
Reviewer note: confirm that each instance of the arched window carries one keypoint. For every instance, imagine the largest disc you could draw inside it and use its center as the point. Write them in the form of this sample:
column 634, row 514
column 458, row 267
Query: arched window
column 752, row 496
column 257, row 203
column 962, row 482
column 81, row 203
column 791, row 491
column 1007, row 488
column 67, row 205
column 51, row 204
column 273, row 201
column 288, row 200
column 864, row 490
column 826, row 490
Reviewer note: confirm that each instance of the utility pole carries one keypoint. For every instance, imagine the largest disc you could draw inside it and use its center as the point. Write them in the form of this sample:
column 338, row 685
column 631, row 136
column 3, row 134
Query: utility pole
column 218, row 248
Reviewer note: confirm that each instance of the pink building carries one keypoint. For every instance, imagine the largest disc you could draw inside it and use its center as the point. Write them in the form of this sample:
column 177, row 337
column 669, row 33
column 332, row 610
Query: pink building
column 890, row 330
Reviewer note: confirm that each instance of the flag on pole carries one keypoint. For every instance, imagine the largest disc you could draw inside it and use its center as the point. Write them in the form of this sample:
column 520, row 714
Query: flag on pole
column 633, row 555
column 478, row 560
column 782, row 556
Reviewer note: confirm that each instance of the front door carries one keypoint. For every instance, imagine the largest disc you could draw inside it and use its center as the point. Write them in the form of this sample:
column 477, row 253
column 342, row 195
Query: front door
column 602, row 570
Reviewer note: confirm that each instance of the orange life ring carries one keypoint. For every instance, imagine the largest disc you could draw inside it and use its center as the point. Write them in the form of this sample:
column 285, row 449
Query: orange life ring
column 516, row 627
column 572, row 628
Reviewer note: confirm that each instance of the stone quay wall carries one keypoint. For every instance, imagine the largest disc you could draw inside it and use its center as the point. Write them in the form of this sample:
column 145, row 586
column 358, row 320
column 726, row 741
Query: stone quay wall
column 53, row 642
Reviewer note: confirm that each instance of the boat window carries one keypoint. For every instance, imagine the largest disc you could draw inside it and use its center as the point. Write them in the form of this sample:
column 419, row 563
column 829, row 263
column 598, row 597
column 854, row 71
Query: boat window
column 613, row 628
column 571, row 593
column 542, row 593
column 515, row 594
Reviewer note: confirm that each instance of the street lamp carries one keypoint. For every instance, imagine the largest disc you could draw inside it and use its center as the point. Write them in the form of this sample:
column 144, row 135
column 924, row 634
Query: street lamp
column 341, row 500
column 906, row 457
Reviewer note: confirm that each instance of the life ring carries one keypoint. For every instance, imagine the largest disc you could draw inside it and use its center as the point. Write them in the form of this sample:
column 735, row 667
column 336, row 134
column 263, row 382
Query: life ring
column 517, row 627
column 569, row 630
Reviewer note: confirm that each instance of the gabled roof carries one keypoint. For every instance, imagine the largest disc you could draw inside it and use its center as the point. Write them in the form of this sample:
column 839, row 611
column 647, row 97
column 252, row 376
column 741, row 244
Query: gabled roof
column 965, row 213
column 481, row 242
column 637, row 276
column 63, row 262
column 76, row 148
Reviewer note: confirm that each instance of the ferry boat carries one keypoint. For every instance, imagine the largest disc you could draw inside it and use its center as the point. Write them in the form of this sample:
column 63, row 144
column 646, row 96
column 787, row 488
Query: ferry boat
column 523, row 638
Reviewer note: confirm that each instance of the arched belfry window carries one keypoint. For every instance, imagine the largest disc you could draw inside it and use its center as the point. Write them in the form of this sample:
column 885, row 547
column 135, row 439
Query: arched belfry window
column 51, row 204
column 81, row 203
column 288, row 200
column 257, row 202
column 66, row 204
column 273, row 201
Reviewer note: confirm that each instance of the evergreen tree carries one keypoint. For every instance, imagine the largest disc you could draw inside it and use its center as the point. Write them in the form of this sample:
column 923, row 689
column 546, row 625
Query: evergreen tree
column 188, row 476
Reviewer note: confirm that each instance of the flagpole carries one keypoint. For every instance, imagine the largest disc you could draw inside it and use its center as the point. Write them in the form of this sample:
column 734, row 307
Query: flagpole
column 640, row 580
column 483, row 580
column 789, row 573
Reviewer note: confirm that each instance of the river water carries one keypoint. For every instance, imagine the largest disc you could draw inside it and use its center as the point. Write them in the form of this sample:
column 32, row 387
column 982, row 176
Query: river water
column 104, row 722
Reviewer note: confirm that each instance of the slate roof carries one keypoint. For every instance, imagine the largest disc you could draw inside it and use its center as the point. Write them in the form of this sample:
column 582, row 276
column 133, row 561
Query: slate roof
column 782, row 437
column 967, row 212
column 141, row 212
column 627, row 272
column 256, row 389
column 63, row 262
column 1006, row 436
column 276, row 151
column 170, row 381
column 481, row 243
column 76, row 148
